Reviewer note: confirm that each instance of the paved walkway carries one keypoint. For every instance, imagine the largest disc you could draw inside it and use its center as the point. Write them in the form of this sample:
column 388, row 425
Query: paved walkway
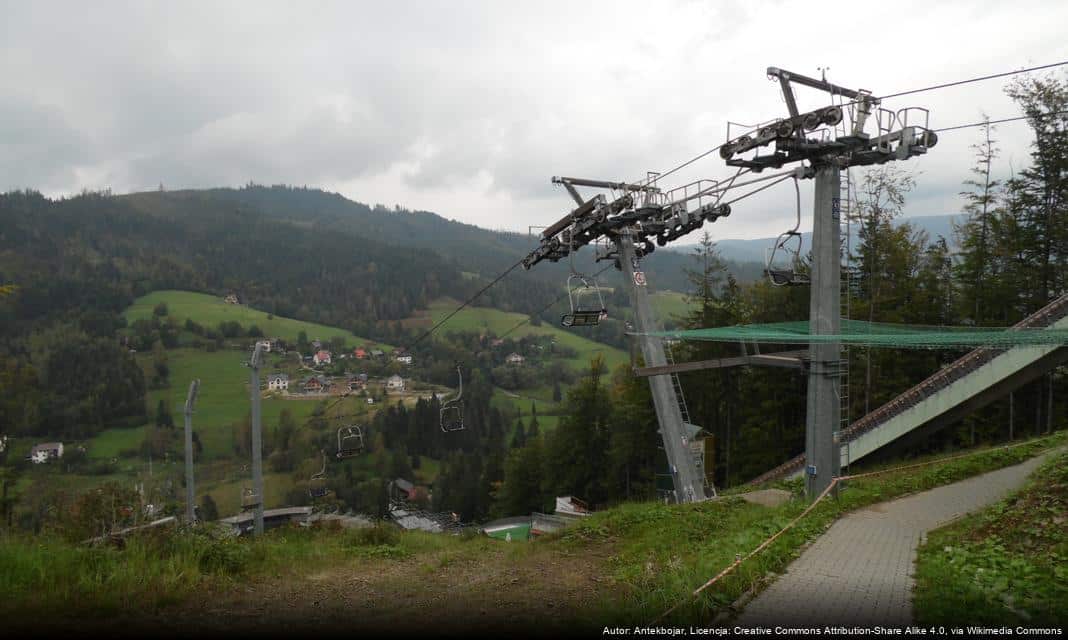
column 860, row 571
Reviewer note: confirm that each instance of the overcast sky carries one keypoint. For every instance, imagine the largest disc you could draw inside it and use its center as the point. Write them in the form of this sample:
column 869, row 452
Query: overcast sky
column 468, row 108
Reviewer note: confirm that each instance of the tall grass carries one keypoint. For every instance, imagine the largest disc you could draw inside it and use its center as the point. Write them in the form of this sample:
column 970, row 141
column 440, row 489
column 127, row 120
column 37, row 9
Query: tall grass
column 46, row 575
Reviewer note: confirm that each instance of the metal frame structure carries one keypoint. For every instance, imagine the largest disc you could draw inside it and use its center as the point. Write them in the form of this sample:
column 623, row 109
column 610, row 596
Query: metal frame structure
column 640, row 216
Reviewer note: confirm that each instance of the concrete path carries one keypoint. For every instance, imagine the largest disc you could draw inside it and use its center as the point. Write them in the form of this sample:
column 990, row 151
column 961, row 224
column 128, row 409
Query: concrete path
column 860, row 571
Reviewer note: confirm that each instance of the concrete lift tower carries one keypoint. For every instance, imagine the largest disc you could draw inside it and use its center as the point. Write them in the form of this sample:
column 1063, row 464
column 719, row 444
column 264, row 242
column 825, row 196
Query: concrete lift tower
column 830, row 140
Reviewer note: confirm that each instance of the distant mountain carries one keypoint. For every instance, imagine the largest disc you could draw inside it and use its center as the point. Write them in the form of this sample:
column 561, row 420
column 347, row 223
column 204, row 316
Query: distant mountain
column 754, row 250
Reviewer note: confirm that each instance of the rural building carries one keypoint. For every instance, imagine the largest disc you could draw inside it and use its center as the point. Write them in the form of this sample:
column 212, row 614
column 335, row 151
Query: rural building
column 321, row 357
column 395, row 383
column 571, row 507
column 266, row 344
column 401, row 489
column 406, row 359
column 360, row 353
column 514, row 359
column 315, row 384
column 3, row 444
column 278, row 382
column 46, row 451
column 377, row 353
column 316, row 345
column 232, row 299
column 517, row 528
column 496, row 342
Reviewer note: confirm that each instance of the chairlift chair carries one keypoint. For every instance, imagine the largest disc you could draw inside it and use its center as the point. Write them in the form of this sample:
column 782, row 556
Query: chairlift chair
column 583, row 313
column 452, row 410
column 787, row 274
column 349, row 441
column 317, row 488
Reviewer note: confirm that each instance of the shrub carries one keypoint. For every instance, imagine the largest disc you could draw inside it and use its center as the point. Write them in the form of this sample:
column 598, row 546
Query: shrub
column 377, row 535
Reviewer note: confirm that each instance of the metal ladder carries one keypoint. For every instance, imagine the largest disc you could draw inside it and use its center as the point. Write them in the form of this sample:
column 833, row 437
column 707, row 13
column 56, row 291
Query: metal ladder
column 848, row 291
column 675, row 382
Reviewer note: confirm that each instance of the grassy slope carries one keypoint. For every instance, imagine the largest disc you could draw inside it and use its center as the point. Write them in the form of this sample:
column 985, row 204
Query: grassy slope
column 659, row 573
column 1006, row 565
column 637, row 566
column 223, row 398
column 210, row 310
column 477, row 318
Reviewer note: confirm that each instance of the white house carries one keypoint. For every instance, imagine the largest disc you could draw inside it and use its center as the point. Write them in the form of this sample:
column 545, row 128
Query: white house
column 406, row 359
column 278, row 382
column 3, row 444
column 321, row 357
column 395, row 383
column 46, row 451
column 266, row 344
column 514, row 358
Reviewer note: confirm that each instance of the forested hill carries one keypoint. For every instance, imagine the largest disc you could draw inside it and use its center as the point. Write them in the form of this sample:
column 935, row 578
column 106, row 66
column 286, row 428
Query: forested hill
column 472, row 248
column 96, row 252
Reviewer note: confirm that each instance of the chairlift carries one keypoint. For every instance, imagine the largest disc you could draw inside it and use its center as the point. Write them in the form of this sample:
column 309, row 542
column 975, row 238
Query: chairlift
column 785, row 272
column 249, row 499
column 585, row 311
column 452, row 410
column 349, row 441
column 317, row 488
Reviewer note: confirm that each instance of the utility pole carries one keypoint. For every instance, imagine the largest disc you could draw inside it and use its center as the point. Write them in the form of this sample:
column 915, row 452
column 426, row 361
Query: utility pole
column 688, row 483
column 190, row 493
column 823, row 411
column 257, row 438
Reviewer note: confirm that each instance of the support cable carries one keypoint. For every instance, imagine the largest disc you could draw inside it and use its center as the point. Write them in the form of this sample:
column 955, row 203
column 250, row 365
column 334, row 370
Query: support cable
column 477, row 295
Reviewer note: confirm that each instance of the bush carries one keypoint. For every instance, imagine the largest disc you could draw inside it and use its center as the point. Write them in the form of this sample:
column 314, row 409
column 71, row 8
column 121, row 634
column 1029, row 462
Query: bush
column 378, row 535
column 224, row 556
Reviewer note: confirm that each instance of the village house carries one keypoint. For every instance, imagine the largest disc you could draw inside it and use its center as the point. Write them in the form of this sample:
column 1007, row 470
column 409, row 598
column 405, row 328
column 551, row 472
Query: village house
column 377, row 353
column 3, row 444
column 360, row 353
column 496, row 342
column 321, row 357
column 395, row 383
column 46, row 451
column 405, row 359
column 316, row 384
column 266, row 344
column 515, row 359
column 278, row 382
column 232, row 299
column 316, row 345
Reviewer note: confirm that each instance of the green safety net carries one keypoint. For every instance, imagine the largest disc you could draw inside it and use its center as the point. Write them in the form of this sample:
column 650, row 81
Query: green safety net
column 876, row 334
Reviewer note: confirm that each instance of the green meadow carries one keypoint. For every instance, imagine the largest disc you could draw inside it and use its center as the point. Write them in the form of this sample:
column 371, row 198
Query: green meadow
column 498, row 322
column 210, row 310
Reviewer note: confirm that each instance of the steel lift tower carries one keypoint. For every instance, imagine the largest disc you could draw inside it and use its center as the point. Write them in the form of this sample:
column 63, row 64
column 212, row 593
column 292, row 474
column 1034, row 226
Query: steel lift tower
column 628, row 224
column 820, row 140
column 254, row 365
column 190, row 493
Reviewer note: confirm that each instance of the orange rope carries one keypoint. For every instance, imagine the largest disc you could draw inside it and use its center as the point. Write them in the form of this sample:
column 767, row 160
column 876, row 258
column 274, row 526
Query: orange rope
column 764, row 545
